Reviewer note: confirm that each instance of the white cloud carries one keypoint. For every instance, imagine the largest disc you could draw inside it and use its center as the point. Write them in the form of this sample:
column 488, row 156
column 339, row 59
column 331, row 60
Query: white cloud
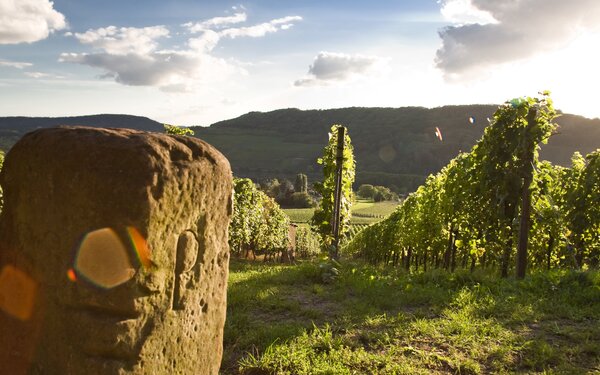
column 169, row 70
column 524, row 28
column 215, row 22
column 463, row 12
column 132, row 56
column 261, row 29
column 206, row 42
column 38, row 75
column 27, row 21
column 124, row 40
column 285, row 20
column 210, row 38
column 335, row 67
column 15, row 64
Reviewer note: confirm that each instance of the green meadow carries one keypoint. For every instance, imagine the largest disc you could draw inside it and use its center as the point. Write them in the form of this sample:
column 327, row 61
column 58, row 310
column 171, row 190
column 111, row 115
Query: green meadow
column 363, row 212
column 292, row 319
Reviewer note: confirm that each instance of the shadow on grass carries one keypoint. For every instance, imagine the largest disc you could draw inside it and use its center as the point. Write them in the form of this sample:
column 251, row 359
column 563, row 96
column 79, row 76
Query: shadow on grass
column 266, row 303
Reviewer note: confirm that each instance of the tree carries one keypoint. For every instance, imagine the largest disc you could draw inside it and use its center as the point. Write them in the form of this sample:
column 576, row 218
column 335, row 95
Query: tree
column 507, row 154
column 549, row 228
column 301, row 200
column 272, row 237
column 271, row 188
column 177, row 130
column 583, row 208
column 537, row 129
column 382, row 193
column 307, row 243
column 301, row 183
column 378, row 196
column 321, row 221
column 366, row 191
column 377, row 193
column 286, row 189
column 246, row 216
column 257, row 224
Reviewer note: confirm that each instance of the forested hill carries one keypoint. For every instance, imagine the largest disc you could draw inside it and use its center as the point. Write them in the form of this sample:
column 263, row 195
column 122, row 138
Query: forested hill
column 393, row 146
column 13, row 128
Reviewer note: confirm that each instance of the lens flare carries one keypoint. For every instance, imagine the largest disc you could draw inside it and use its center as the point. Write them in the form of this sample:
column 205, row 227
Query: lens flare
column 71, row 275
column 387, row 153
column 103, row 259
column 17, row 293
column 472, row 120
column 438, row 133
column 140, row 246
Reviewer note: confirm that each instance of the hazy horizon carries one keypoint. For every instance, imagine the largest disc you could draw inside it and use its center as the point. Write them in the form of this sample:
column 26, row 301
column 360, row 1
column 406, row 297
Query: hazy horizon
column 277, row 109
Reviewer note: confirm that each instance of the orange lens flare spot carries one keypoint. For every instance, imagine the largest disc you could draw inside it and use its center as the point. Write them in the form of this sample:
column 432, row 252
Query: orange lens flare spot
column 141, row 247
column 17, row 293
column 71, row 275
column 103, row 259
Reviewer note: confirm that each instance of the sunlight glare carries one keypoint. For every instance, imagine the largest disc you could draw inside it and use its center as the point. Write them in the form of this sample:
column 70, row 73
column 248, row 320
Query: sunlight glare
column 17, row 293
column 140, row 246
column 103, row 259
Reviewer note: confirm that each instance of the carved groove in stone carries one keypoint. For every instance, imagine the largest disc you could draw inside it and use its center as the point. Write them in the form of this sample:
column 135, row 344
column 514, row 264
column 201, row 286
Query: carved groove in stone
column 187, row 256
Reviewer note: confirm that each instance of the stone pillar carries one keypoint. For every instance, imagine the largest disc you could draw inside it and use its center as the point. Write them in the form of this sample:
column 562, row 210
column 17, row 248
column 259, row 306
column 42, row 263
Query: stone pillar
column 116, row 242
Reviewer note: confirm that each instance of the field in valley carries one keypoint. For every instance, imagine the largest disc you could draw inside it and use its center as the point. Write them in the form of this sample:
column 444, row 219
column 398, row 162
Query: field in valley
column 363, row 212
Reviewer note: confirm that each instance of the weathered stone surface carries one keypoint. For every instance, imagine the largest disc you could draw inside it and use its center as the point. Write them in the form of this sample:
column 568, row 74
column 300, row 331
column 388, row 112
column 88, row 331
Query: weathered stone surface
column 63, row 183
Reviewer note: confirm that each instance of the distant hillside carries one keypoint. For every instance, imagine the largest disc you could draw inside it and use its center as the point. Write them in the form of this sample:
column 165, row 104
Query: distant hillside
column 13, row 128
column 393, row 146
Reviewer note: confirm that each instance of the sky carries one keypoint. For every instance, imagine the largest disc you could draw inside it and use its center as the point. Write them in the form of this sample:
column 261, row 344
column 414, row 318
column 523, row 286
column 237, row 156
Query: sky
column 196, row 62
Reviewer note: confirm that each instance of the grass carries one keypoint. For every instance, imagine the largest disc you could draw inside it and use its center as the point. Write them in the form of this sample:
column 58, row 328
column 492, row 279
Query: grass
column 364, row 212
column 285, row 320
column 381, row 209
column 299, row 215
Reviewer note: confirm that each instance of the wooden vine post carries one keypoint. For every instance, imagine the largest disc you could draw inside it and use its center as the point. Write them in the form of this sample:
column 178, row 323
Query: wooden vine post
column 339, row 159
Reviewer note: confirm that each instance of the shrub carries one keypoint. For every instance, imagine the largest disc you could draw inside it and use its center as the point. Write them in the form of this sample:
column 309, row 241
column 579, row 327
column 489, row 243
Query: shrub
column 301, row 200
column 366, row 191
column 307, row 243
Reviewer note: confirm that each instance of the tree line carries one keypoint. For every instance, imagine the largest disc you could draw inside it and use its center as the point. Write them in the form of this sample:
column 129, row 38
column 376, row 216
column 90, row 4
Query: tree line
column 286, row 194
